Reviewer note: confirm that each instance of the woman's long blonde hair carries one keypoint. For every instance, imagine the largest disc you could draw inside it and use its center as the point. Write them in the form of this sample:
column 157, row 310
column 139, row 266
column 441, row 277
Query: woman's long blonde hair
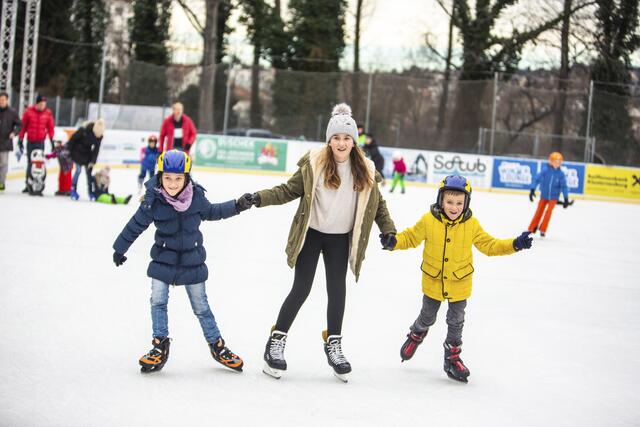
column 362, row 177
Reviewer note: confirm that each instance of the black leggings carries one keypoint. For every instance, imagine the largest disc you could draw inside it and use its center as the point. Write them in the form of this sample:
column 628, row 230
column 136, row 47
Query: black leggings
column 335, row 252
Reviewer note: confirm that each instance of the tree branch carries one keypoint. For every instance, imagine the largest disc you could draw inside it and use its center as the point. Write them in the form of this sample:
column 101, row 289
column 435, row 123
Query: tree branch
column 519, row 39
column 191, row 16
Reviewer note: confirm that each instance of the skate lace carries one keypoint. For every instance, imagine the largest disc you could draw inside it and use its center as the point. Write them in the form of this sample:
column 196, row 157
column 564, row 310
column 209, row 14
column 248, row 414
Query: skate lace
column 334, row 348
column 276, row 348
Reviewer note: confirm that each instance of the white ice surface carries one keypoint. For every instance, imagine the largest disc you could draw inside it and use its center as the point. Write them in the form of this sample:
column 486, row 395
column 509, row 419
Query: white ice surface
column 552, row 335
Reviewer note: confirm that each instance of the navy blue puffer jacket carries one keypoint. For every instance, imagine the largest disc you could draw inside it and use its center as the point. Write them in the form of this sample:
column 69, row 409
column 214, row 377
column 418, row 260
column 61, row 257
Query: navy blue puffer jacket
column 177, row 256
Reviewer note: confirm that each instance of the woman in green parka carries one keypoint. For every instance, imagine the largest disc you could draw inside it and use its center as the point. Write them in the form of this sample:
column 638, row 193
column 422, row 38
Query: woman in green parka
column 339, row 200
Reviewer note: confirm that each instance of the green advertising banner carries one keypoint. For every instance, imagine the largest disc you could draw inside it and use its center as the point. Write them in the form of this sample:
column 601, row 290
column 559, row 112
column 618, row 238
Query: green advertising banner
column 240, row 152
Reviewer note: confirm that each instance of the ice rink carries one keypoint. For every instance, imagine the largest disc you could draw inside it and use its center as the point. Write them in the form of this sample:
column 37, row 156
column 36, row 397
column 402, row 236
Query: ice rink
column 552, row 335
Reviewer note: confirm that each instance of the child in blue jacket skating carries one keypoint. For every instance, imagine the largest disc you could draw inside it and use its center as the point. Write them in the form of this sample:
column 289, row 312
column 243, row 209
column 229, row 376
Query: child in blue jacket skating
column 148, row 159
column 551, row 181
column 177, row 206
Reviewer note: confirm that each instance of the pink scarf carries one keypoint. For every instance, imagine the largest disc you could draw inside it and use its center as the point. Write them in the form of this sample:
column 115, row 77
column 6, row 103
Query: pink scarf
column 183, row 201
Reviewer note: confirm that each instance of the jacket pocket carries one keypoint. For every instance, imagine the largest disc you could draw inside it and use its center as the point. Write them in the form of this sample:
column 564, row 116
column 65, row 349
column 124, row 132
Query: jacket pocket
column 463, row 272
column 430, row 270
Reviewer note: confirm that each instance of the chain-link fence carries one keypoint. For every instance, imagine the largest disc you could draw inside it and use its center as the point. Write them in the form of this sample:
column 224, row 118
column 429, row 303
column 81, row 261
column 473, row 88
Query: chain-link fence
column 524, row 114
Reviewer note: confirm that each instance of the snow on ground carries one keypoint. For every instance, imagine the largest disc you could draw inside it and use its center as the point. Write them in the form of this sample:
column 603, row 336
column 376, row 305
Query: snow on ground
column 551, row 335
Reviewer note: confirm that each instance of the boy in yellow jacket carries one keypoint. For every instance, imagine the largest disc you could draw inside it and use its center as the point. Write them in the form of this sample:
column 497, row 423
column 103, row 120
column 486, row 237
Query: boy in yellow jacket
column 448, row 230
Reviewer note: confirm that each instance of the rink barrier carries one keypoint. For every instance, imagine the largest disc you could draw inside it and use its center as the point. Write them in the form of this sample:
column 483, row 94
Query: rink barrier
column 509, row 175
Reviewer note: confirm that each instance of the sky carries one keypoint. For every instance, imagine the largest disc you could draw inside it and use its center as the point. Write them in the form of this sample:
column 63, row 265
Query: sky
column 393, row 34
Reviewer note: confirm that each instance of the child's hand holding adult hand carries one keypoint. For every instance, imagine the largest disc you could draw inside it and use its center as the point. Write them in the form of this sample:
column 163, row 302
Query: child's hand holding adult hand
column 118, row 259
column 388, row 241
column 244, row 202
column 523, row 241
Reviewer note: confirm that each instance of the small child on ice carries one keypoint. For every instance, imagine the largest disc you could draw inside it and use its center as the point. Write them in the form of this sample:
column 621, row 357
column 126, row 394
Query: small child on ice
column 448, row 230
column 177, row 206
column 399, row 171
column 148, row 159
column 61, row 152
column 552, row 181
column 100, row 188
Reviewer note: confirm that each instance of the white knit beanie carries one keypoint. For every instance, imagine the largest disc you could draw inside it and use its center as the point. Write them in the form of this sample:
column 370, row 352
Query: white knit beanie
column 342, row 122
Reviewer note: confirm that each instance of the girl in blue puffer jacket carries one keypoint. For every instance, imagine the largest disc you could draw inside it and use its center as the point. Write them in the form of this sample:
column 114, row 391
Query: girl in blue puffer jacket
column 177, row 206
column 551, row 181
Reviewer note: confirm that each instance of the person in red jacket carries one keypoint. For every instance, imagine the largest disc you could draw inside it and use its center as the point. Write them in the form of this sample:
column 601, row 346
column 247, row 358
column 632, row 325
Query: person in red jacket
column 37, row 124
column 177, row 131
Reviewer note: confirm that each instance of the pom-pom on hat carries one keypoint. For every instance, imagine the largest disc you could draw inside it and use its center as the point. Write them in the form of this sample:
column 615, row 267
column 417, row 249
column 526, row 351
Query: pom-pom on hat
column 342, row 122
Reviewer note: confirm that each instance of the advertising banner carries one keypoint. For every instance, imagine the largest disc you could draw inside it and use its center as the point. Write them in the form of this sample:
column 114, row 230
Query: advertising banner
column 415, row 161
column 609, row 181
column 514, row 173
column 240, row 152
column 574, row 173
column 477, row 169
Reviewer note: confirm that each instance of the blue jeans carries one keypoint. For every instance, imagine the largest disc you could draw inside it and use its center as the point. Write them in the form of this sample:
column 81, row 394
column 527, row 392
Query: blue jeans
column 199, row 304
column 144, row 171
column 76, row 176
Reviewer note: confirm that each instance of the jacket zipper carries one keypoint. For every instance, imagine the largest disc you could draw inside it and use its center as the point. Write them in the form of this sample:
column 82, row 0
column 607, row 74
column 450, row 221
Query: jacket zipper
column 443, row 253
column 181, row 245
column 550, row 184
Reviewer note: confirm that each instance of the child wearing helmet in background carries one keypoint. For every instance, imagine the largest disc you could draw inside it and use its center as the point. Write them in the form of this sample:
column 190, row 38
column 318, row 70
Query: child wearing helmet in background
column 551, row 181
column 177, row 206
column 399, row 171
column 100, row 188
column 148, row 159
column 448, row 231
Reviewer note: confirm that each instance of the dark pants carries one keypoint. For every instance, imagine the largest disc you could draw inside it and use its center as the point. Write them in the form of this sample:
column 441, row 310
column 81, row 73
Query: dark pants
column 76, row 176
column 455, row 318
column 31, row 147
column 335, row 252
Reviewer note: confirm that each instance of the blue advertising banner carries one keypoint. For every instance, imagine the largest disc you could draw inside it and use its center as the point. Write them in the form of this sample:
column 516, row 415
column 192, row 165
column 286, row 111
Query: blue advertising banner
column 574, row 173
column 514, row 173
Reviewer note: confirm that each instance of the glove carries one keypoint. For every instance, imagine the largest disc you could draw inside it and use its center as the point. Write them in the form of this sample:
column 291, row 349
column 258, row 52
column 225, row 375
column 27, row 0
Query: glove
column 388, row 241
column 532, row 194
column 565, row 204
column 118, row 259
column 523, row 241
column 90, row 165
column 20, row 150
column 256, row 199
column 244, row 202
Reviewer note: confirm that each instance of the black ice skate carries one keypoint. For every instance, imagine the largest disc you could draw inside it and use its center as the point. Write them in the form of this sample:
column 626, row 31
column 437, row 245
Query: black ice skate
column 157, row 356
column 335, row 357
column 274, row 354
column 414, row 339
column 453, row 365
column 226, row 357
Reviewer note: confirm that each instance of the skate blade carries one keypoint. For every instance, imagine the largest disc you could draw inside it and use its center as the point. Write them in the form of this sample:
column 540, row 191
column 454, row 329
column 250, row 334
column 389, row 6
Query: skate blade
column 342, row 377
column 274, row 373
column 458, row 379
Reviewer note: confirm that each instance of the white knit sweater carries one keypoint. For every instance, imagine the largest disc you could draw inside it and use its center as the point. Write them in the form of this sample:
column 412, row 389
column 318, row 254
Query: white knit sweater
column 334, row 210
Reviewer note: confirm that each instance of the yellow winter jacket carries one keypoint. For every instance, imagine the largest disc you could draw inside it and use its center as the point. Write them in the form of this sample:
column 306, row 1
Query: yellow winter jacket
column 447, row 259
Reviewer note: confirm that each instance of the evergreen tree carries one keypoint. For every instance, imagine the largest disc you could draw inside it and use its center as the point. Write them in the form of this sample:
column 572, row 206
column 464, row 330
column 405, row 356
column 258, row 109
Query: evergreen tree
column 89, row 19
column 302, row 101
column 149, row 33
column 617, row 37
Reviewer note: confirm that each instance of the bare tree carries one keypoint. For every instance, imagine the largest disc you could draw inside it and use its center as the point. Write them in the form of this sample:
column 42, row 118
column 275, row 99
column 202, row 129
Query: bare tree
column 209, row 34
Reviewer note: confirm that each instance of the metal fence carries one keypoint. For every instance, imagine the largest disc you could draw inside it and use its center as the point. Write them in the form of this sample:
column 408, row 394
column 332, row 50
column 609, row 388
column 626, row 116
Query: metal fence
column 519, row 114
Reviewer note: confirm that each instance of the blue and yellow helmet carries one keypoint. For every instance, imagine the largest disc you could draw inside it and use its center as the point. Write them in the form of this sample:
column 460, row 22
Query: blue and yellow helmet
column 174, row 161
column 455, row 183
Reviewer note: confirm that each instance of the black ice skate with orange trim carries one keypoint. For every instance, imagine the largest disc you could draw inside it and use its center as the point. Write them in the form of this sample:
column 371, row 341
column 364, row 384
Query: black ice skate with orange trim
column 225, row 356
column 155, row 359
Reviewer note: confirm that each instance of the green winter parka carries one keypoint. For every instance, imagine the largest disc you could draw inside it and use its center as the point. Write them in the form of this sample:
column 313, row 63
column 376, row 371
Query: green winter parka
column 370, row 206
